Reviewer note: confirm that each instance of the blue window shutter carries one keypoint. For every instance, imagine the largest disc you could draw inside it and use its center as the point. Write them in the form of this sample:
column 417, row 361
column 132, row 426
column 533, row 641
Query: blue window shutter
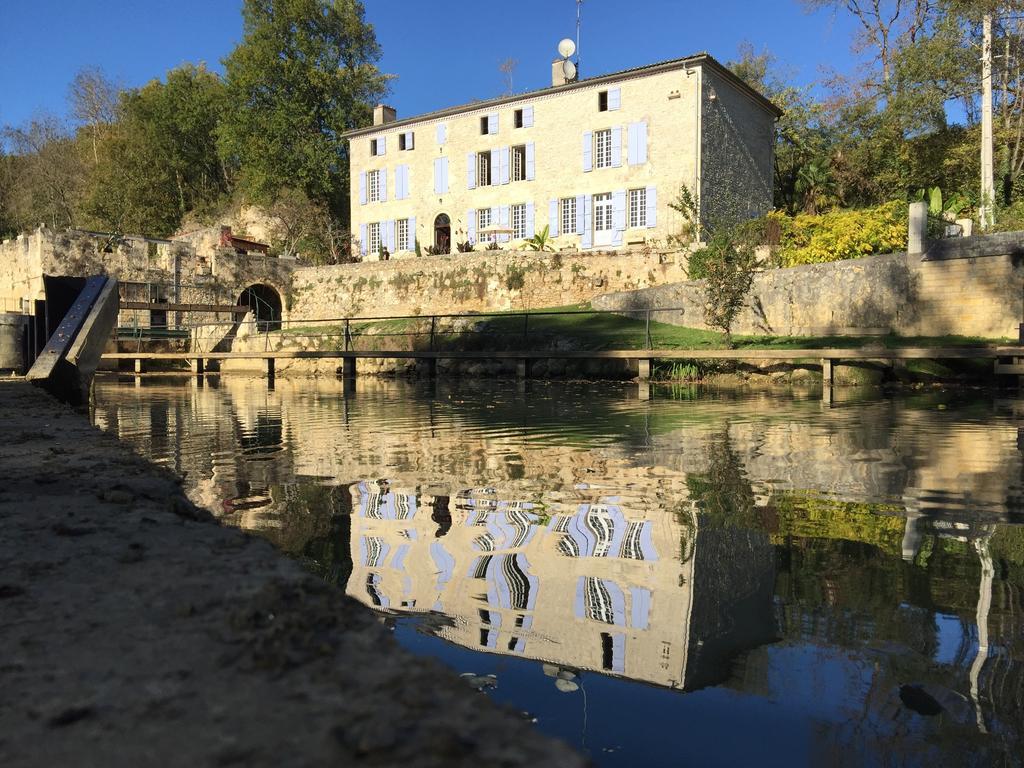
column 362, row 239
column 382, row 145
column 437, row 175
column 471, row 170
column 588, row 152
column 641, row 143
column 412, row 233
column 385, row 234
column 652, row 206
column 384, row 185
column 442, row 133
column 614, row 99
column 618, row 216
column 531, row 166
column 527, row 117
column 471, row 226
column 492, row 122
column 444, row 174
column 409, row 140
column 504, row 165
column 405, row 183
column 617, row 146
column 495, row 167
column 553, row 221
column 581, row 204
column 362, row 188
column 531, row 221
column 588, row 216
column 503, row 222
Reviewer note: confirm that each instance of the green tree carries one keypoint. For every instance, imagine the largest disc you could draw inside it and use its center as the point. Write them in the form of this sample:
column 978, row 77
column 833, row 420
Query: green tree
column 304, row 73
column 46, row 175
column 159, row 161
column 728, row 263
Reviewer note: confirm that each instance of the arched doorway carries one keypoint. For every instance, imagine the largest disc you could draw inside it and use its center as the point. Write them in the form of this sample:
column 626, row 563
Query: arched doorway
column 265, row 304
column 443, row 233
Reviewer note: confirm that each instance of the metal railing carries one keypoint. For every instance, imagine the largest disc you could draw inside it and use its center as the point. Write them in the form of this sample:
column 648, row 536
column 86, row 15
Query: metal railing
column 438, row 331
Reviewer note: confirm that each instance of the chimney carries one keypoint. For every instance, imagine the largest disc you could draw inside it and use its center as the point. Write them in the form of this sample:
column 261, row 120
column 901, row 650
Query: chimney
column 382, row 114
column 557, row 75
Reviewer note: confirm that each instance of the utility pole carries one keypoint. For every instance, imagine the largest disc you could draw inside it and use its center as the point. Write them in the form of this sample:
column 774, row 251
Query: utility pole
column 988, row 187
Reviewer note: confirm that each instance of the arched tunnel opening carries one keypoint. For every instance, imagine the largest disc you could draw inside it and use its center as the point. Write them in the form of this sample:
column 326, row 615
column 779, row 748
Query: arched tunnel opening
column 265, row 304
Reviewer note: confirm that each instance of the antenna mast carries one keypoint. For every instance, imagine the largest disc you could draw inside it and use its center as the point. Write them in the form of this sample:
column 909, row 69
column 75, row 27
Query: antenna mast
column 579, row 8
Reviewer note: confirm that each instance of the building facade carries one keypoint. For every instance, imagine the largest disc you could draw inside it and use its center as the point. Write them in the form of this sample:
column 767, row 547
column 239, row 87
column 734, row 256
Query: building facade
column 596, row 161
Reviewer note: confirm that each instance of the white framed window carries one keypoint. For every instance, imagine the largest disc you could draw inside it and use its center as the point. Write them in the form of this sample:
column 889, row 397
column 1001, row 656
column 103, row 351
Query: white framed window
column 402, row 235
column 603, row 212
column 373, row 186
column 519, row 163
column 483, row 169
column 483, row 221
column 568, row 215
column 637, row 208
column 603, row 148
column 519, row 221
column 373, row 238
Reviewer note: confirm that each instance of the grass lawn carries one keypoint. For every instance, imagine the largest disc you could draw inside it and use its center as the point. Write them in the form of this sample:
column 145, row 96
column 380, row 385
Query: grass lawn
column 509, row 330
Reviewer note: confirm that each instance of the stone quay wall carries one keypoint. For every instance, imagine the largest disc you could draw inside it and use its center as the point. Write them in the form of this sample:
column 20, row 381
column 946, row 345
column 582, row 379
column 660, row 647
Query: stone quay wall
column 971, row 286
column 146, row 268
column 484, row 281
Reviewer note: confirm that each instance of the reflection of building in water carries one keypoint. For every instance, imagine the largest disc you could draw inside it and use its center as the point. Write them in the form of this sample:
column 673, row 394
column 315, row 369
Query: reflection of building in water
column 604, row 586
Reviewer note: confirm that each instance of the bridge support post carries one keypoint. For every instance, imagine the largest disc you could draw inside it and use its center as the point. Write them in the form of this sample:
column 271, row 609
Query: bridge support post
column 522, row 368
column 138, row 365
column 196, row 365
column 827, row 373
column 271, row 372
column 643, row 369
column 348, row 368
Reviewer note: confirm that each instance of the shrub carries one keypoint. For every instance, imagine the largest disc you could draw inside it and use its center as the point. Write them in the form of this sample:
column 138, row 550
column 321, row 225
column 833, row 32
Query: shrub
column 836, row 235
column 464, row 247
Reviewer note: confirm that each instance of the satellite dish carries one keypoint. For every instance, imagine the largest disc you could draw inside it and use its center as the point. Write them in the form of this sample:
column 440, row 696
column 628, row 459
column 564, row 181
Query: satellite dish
column 569, row 70
column 566, row 48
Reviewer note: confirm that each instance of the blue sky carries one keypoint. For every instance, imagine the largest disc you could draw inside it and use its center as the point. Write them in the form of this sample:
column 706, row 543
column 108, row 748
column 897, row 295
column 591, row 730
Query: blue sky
column 443, row 52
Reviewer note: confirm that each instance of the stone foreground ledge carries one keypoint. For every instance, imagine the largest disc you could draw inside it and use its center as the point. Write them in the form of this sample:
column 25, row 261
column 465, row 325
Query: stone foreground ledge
column 138, row 631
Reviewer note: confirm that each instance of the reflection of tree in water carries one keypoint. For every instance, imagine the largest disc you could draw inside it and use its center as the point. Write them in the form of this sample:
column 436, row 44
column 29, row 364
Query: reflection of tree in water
column 734, row 568
column 314, row 526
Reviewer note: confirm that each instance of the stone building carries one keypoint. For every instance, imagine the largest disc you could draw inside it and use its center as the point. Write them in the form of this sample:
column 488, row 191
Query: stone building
column 597, row 161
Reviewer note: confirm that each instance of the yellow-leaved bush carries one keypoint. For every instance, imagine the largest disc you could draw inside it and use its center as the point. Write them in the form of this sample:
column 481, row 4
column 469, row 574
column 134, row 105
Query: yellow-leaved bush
column 839, row 234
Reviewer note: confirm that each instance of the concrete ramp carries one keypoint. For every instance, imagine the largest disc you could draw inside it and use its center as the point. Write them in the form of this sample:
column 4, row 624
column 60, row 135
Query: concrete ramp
column 66, row 365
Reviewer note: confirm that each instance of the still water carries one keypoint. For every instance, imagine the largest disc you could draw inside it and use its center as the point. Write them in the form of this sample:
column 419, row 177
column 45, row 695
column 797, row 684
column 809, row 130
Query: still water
column 696, row 579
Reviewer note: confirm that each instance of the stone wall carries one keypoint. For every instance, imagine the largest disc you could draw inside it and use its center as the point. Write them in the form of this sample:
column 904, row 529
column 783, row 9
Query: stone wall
column 966, row 286
column 147, row 268
column 484, row 281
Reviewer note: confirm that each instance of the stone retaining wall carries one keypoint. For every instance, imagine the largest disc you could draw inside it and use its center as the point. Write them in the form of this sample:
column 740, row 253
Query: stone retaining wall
column 970, row 286
column 485, row 281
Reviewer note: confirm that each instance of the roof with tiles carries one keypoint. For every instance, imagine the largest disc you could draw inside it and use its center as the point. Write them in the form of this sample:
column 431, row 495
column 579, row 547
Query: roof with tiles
column 698, row 59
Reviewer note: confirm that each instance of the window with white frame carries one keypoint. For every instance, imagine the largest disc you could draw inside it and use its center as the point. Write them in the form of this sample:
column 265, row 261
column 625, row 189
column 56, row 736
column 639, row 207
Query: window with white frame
column 603, row 148
column 519, row 163
column 603, row 212
column 519, row 221
column 637, row 208
column 568, row 217
column 483, row 169
column 373, row 237
column 483, row 221
column 402, row 235
column 373, row 186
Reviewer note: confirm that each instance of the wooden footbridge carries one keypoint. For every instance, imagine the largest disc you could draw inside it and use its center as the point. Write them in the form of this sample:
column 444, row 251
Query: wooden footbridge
column 510, row 336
